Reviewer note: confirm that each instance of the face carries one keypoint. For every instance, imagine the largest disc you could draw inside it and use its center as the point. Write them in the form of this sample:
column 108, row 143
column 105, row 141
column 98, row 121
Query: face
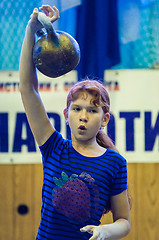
column 84, row 118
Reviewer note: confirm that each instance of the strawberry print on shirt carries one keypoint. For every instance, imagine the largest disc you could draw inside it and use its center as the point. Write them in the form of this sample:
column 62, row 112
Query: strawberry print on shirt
column 73, row 196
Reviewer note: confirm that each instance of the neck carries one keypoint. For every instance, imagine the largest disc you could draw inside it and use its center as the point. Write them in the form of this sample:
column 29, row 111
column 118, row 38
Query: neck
column 88, row 148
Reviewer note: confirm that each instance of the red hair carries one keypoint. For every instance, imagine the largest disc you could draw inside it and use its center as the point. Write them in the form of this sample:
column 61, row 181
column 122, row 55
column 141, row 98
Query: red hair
column 96, row 89
column 100, row 98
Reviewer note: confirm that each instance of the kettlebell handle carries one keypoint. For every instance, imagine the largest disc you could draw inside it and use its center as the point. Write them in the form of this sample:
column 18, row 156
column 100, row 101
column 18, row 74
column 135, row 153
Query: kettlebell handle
column 44, row 20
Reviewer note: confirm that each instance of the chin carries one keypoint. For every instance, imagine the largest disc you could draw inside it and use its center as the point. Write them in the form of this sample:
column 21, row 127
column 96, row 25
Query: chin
column 84, row 138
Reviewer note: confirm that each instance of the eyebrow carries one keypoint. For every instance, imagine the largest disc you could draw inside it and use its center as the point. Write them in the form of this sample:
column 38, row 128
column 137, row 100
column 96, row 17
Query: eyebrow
column 75, row 105
column 89, row 107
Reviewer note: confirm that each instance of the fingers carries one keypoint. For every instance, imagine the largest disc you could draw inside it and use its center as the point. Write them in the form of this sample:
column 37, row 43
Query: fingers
column 52, row 13
column 95, row 231
column 47, row 10
column 34, row 15
column 88, row 228
column 56, row 15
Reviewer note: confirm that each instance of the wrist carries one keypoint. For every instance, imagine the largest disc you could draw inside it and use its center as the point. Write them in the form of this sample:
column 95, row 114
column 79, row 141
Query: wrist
column 31, row 29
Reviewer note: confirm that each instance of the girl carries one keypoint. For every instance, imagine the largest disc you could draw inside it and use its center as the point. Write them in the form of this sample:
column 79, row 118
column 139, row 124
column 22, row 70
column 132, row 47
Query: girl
column 82, row 177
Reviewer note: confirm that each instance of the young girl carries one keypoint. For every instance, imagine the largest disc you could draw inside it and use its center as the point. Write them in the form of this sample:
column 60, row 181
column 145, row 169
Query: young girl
column 83, row 177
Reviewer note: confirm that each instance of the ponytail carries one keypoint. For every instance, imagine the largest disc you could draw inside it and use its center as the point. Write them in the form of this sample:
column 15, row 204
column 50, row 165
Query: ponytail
column 104, row 141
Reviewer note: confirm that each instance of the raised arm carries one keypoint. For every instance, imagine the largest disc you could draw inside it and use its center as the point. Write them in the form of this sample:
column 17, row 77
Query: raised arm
column 35, row 111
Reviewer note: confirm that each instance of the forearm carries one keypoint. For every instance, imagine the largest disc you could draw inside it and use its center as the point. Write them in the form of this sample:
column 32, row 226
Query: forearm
column 113, row 231
column 117, row 230
column 27, row 71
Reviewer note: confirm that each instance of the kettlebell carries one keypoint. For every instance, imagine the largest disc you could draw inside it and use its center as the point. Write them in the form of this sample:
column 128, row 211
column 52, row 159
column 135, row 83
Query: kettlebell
column 55, row 52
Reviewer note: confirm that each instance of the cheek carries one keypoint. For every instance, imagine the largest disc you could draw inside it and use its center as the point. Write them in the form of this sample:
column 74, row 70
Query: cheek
column 99, row 118
column 72, row 119
column 95, row 123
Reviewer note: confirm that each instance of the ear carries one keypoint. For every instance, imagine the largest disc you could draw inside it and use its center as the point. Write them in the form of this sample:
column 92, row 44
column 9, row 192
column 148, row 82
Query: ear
column 65, row 112
column 105, row 120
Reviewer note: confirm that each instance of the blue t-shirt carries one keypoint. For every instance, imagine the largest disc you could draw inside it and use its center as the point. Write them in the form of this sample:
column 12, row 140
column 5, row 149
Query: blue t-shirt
column 76, row 189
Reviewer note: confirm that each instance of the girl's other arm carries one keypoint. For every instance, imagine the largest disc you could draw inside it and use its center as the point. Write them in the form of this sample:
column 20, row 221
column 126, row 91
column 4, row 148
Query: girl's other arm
column 121, row 225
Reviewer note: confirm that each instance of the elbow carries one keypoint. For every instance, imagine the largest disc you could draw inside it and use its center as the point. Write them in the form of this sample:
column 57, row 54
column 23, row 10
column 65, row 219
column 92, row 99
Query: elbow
column 25, row 89
column 128, row 227
column 21, row 88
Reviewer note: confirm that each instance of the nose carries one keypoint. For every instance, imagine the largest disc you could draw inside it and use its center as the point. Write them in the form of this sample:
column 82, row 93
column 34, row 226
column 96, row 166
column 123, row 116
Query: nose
column 83, row 116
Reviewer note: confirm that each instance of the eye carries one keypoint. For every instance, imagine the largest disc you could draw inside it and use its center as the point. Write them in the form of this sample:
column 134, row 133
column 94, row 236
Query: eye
column 77, row 109
column 92, row 110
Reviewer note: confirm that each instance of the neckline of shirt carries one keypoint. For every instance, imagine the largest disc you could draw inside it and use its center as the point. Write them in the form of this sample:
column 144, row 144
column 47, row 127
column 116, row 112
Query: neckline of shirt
column 86, row 157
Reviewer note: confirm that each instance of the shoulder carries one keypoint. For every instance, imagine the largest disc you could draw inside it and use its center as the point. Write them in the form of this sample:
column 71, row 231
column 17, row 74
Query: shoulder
column 116, row 157
column 54, row 142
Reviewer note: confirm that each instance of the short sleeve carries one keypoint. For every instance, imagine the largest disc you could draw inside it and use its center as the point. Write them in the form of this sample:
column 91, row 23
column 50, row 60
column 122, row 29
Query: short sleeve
column 120, row 179
column 50, row 145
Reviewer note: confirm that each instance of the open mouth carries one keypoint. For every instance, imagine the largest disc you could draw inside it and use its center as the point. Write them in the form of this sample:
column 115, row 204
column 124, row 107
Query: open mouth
column 82, row 127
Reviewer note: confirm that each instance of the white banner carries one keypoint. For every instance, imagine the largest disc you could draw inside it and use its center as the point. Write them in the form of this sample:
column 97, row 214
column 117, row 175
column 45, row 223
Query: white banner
column 134, row 123
column 17, row 144
column 135, row 107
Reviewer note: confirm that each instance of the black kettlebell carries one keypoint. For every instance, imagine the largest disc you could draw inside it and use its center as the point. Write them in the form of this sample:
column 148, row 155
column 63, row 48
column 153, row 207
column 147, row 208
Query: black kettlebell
column 55, row 52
